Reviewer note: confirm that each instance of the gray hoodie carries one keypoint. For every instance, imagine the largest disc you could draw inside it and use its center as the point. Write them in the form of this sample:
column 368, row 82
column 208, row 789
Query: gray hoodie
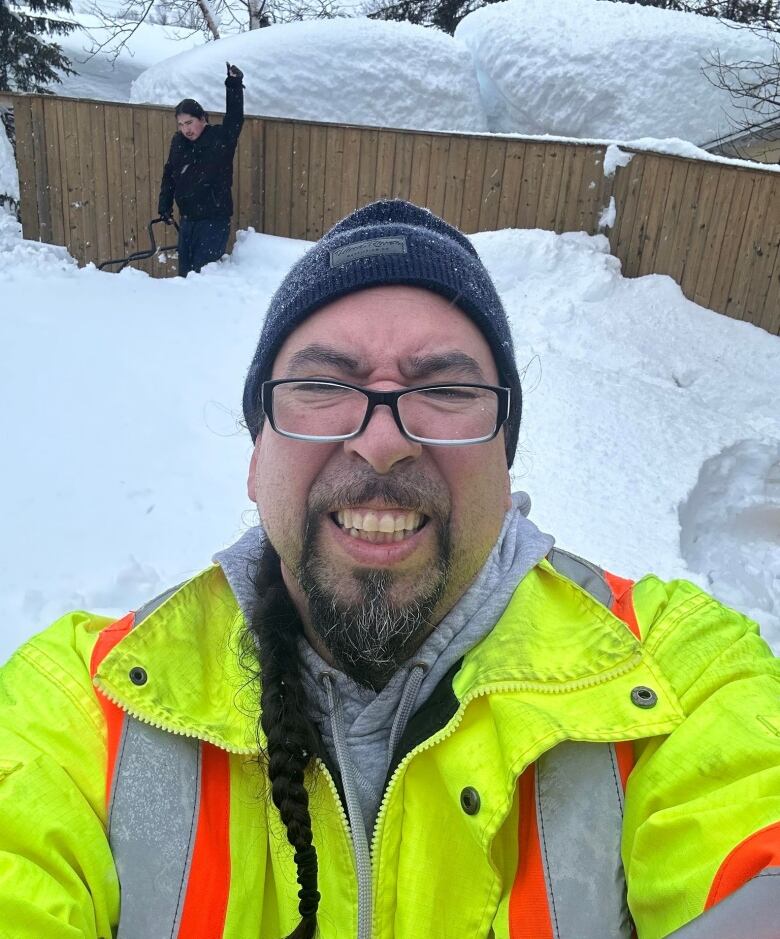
column 361, row 728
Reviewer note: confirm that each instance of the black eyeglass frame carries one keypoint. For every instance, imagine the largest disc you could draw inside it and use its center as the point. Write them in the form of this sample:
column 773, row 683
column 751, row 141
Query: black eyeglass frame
column 388, row 399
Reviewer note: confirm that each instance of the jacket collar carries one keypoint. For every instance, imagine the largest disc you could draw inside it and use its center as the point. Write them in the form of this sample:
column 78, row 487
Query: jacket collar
column 555, row 648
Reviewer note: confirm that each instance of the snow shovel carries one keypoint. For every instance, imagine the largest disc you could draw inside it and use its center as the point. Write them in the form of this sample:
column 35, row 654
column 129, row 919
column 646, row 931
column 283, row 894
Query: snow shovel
column 141, row 255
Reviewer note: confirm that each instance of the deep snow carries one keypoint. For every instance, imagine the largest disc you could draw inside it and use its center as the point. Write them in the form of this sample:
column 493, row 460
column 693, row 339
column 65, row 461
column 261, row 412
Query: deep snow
column 650, row 436
column 354, row 71
column 587, row 68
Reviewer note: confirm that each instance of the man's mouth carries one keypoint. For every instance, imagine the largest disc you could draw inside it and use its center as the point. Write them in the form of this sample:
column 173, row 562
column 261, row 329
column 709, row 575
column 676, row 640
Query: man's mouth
column 379, row 526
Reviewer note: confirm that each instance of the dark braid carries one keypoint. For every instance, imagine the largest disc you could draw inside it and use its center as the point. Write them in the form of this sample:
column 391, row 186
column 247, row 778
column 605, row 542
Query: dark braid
column 292, row 744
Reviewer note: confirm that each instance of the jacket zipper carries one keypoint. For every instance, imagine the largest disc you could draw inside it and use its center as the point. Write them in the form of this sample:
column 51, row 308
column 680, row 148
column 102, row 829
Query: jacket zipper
column 452, row 726
column 244, row 751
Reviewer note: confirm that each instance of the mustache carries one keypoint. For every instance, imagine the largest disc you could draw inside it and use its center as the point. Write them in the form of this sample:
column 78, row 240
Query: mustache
column 411, row 490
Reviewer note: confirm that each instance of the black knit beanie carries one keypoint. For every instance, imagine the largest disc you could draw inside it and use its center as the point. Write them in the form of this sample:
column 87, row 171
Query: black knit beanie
column 389, row 242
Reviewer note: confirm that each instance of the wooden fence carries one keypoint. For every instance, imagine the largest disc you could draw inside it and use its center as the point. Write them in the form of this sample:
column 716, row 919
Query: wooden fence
column 90, row 173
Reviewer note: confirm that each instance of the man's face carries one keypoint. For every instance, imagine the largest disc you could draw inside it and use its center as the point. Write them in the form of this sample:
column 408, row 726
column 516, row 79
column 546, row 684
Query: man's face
column 319, row 502
column 191, row 127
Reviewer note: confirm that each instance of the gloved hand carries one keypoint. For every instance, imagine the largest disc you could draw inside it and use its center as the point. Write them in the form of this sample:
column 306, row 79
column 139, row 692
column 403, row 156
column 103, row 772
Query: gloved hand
column 167, row 217
column 234, row 71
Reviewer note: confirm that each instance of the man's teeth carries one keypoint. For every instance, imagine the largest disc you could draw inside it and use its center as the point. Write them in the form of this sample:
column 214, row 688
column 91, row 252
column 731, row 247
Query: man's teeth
column 379, row 526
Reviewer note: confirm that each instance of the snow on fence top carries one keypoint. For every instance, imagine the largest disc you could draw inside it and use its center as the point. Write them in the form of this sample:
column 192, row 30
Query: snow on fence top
column 352, row 71
column 587, row 68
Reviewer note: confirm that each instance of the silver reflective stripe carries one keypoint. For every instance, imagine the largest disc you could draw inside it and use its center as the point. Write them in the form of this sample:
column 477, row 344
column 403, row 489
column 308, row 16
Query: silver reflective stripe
column 152, row 824
column 152, row 821
column 753, row 911
column 579, row 806
column 583, row 573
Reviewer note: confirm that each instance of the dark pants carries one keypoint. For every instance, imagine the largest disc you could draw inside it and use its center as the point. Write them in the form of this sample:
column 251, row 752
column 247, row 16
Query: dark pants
column 201, row 240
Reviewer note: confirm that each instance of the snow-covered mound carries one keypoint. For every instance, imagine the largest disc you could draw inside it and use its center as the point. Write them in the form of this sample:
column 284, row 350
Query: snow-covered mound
column 353, row 71
column 9, row 178
column 650, row 436
column 589, row 68
column 103, row 70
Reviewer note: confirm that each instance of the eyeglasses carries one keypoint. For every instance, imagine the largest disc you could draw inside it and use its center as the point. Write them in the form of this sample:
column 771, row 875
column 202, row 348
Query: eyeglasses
column 441, row 415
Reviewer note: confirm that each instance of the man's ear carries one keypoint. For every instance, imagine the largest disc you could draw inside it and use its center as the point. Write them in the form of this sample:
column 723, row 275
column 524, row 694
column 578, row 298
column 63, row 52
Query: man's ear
column 251, row 480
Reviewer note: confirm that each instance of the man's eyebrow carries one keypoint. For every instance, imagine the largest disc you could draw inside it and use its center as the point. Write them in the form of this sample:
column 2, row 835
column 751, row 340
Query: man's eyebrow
column 317, row 354
column 424, row 366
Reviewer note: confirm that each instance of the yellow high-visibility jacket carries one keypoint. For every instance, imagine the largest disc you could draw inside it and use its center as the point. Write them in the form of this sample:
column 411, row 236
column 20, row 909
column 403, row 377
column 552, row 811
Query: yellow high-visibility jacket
column 702, row 803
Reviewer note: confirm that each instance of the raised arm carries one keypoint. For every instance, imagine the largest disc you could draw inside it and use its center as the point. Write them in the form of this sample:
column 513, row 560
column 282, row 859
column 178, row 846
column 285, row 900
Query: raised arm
column 234, row 103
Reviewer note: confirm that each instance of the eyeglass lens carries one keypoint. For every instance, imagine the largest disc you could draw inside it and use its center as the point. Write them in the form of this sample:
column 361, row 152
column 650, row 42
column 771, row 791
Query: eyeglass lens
column 320, row 409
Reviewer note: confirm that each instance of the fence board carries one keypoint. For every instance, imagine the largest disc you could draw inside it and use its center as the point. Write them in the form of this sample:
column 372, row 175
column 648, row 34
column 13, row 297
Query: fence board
column 385, row 162
column 300, row 181
column 315, row 205
column 25, row 157
column 492, row 182
column 87, row 162
column 129, row 208
column 437, row 173
column 97, row 121
column 509, row 197
column 655, row 216
column 770, row 317
column 114, row 174
column 73, row 163
column 717, row 232
column 142, row 181
column 53, row 173
column 257, row 168
column 271, row 173
column 765, row 246
column 550, row 187
column 402, row 166
column 533, row 169
column 350, row 167
column 41, row 170
column 421, row 165
column 628, row 187
column 636, row 245
column 684, row 223
column 727, row 259
column 284, row 144
column 700, row 228
column 566, row 216
column 473, row 181
column 748, row 247
column 334, row 164
column 454, row 180
column 369, row 148
column 664, row 252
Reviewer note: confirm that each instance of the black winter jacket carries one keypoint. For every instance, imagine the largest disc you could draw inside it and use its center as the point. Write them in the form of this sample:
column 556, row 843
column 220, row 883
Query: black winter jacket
column 199, row 173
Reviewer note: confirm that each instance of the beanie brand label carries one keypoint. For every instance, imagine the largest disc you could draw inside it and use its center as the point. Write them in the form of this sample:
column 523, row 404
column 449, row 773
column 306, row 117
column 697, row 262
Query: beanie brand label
column 370, row 248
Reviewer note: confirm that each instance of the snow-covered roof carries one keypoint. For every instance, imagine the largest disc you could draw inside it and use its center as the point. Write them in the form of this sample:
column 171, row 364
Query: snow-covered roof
column 590, row 68
column 353, row 71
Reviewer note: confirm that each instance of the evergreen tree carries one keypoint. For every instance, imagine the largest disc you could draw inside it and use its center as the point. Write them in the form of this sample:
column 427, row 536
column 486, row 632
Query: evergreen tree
column 746, row 12
column 443, row 14
column 29, row 59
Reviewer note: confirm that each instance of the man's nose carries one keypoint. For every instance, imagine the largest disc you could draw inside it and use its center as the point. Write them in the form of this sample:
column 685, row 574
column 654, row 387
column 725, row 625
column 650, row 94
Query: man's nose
column 382, row 444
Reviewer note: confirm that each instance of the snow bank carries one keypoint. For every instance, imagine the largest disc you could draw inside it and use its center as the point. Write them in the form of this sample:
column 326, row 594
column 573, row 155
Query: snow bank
column 107, row 74
column 353, row 71
column 650, row 438
column 589, row 68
